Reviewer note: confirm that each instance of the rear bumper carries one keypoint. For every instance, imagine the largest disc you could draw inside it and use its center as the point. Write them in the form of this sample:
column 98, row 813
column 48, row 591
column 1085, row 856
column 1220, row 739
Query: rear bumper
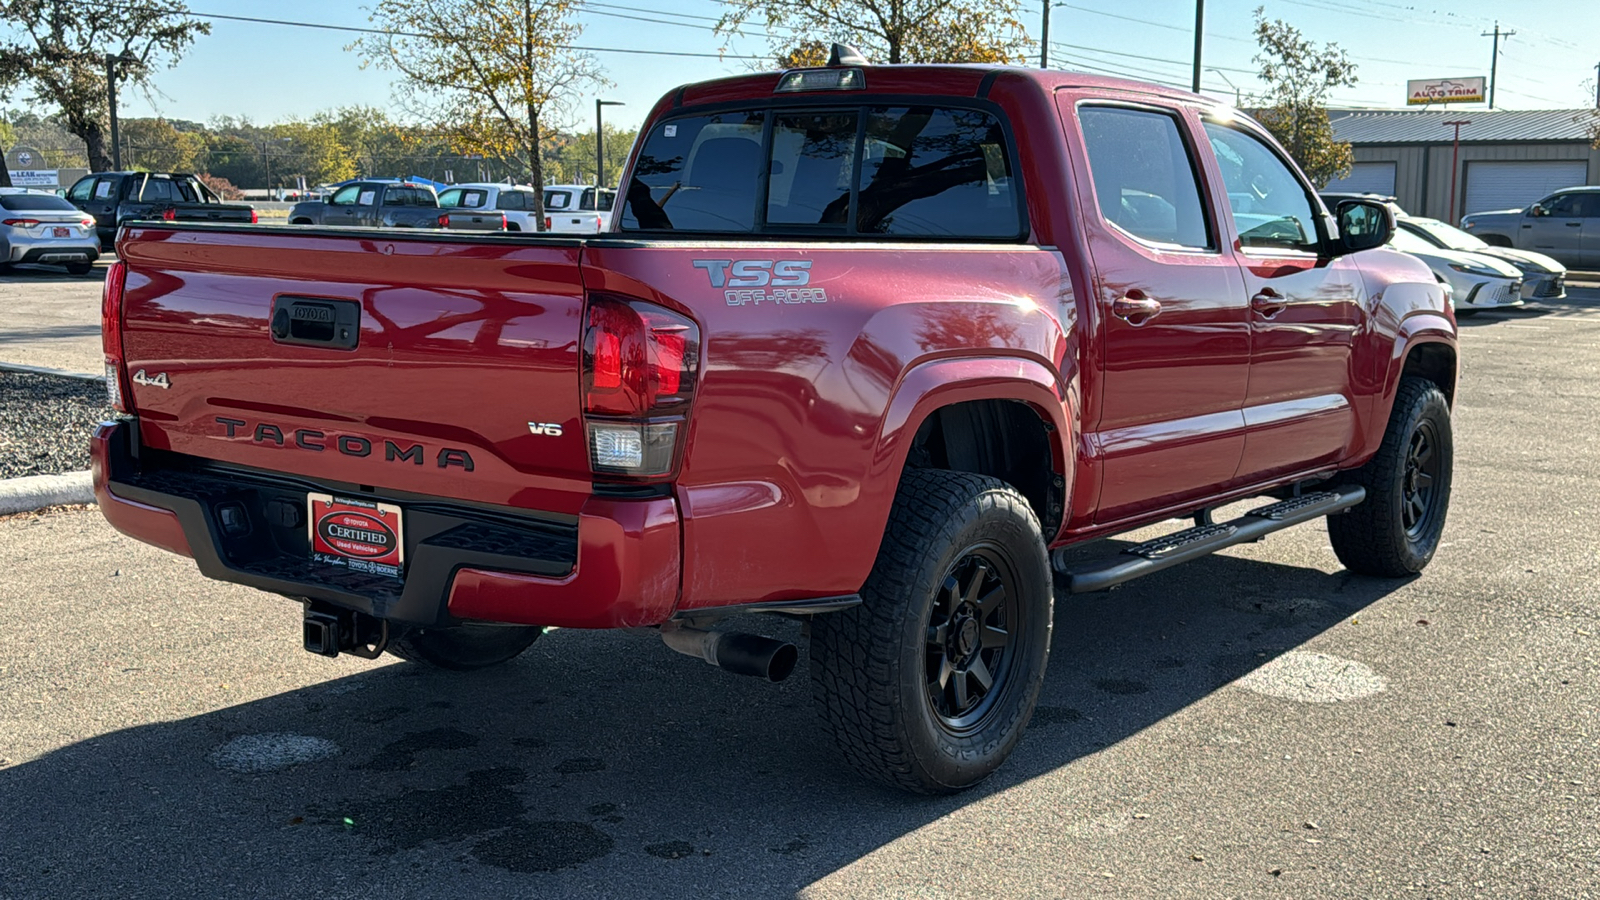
column 616, row 566
column 53, row 252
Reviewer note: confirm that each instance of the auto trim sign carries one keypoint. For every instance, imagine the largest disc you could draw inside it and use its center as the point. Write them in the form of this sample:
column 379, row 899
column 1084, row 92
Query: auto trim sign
column 1445, row 90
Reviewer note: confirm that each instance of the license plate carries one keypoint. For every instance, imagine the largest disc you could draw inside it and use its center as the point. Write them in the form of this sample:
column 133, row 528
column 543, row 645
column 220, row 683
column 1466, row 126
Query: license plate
column 61, row 232
column 358, row 534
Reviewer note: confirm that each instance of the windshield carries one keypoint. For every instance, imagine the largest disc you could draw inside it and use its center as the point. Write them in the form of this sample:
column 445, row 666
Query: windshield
column 1410, row 242
column 1446, row 234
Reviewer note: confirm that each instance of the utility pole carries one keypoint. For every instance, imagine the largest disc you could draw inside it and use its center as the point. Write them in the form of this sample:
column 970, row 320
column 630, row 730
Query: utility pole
column 1494, row 60
column 1238, row 95
column 1199, row 24
column 1597, row 86
column 1044, row 37
column 111, row 89
column 1455, row 152
column 600, row 146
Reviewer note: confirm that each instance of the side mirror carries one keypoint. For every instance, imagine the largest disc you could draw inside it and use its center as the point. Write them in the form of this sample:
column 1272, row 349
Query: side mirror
column 1363, row 225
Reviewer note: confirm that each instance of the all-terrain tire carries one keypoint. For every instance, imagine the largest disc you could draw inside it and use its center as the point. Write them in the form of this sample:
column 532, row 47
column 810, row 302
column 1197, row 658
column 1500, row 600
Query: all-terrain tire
column 1395, row 531
column 464, row 648
column 885, row 674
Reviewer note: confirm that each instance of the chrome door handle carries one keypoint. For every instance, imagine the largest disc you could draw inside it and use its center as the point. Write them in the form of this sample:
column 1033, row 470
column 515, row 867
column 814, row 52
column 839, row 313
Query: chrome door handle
column 1268, row 303
column 1135, row 308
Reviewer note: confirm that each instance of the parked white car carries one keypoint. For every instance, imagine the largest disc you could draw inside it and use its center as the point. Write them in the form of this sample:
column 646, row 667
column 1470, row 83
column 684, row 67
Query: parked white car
column 578, row 208
column 1543, row 278
column 515, row 200
column 1477, row 282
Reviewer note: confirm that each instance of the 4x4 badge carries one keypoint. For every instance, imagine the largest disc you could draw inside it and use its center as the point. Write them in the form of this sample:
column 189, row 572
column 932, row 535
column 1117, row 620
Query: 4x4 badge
column 158, row 380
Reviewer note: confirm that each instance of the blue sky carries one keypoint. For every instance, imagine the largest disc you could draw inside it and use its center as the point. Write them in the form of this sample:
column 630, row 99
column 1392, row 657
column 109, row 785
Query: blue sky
column 268, row 72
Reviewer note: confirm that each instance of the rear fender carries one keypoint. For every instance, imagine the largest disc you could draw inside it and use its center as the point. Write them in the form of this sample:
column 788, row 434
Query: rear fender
column 943, row 382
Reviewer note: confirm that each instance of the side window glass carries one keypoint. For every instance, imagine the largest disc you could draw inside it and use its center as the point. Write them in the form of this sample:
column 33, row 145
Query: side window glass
column 608, row 199
column 813, row 160
column 1270, row 206
column 346, row 196
column 367, row 197
column 80, row 191
column 931, row 172
column 1566, row 206
column 1591, row 206
column 1144, row 176
column 511, row 200
column 102, row 189
column 587, row 200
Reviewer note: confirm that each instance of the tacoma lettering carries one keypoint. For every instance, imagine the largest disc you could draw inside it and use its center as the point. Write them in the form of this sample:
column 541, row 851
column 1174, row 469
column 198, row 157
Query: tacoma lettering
column 347, row 444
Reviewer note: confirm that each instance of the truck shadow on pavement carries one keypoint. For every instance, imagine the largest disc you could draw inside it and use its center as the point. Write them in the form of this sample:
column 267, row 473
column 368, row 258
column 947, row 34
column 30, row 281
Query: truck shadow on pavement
column 598, row 764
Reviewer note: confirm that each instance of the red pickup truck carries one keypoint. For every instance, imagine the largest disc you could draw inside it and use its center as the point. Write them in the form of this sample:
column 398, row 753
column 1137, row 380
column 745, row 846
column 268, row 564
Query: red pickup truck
column 867, row 345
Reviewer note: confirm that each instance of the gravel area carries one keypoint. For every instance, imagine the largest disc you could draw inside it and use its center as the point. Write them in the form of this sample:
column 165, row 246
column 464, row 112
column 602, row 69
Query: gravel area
column 45, row 423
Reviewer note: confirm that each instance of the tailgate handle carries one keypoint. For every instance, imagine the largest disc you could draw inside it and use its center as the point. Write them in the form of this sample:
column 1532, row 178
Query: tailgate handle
column 316, row 322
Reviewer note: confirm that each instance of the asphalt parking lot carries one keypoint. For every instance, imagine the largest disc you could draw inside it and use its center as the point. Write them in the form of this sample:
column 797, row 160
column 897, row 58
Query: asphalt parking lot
column 1257, row 724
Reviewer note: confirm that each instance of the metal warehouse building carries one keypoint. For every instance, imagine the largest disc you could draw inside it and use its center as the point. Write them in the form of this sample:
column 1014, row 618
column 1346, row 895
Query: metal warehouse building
column 1508, row 158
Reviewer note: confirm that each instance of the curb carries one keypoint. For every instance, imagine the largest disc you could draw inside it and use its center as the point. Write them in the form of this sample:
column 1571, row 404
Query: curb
column 33, row 492
column 45, row 370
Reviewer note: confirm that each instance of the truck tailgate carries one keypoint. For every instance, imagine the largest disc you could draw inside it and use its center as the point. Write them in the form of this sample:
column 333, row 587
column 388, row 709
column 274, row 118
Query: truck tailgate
column 458, row 345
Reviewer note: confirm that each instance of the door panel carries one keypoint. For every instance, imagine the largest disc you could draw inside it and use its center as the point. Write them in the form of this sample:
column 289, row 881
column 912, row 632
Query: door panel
column 1306, row 310
column 1558, row 229
column 1170, row 312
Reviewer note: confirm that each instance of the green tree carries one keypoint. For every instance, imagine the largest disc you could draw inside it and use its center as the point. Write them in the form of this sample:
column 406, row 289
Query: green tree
column 891, row 31
column 574, row 155
column 56, row 51
column 1298, row 76
column 155, row 145
column 488, row 73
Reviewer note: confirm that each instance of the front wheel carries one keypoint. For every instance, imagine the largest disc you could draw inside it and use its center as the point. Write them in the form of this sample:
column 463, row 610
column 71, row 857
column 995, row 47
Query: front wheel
column 929, row 683
column 1395, row 531
column 464, row 647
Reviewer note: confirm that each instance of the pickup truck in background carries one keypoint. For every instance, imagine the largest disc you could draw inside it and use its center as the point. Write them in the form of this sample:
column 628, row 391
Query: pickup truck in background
column 577, row 209
column 117, row 197
column 372, row 204
column 1564, row 226
column 516, row 202
column 870, row 347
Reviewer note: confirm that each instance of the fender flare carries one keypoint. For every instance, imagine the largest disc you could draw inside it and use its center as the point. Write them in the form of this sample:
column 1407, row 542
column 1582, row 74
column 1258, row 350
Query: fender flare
column 927, row 386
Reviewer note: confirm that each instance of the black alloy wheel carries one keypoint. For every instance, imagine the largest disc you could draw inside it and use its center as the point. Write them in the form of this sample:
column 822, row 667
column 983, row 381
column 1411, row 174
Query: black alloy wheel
column 969, row 635
column 1419, row 502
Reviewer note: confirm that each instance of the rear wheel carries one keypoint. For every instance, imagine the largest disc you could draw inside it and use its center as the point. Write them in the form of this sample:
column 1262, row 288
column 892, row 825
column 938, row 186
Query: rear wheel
column 1395, row 531
column 929, row 683
column 465, row 647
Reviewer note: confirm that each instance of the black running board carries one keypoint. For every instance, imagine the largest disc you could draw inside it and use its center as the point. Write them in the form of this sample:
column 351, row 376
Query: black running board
column 1192, row 543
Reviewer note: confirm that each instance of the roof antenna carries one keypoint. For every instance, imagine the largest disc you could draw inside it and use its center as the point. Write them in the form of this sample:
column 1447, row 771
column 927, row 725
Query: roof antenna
column 846, row 55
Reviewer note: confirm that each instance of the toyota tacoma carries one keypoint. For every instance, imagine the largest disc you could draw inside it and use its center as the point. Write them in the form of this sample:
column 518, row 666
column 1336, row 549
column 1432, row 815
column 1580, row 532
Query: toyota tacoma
column 868, row 346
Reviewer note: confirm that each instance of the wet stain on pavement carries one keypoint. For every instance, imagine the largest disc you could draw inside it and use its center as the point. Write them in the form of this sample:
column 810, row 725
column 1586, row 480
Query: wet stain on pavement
column 670, row 849
column 1122, row 686
column 402, row 754
column 580, row 764
column 531, row 743
column 1171, row 662
column 485, row 803
column 388, row 713
column 543, row 846
column 793, row 847
column 1055, row 715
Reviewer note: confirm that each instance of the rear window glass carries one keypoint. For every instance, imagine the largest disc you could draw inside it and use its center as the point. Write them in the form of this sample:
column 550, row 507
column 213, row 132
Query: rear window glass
column 45, row 202
column 914, row 171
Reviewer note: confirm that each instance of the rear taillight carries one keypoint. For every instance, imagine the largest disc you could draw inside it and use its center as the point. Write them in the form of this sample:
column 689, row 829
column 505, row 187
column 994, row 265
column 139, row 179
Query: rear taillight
column 86, row 222
column 640, row 365
column 21, row 223
column 505, row 223
column 111, row 335
column 444, row 220
column 169, row 215
column 546, row 223
column 254, row 219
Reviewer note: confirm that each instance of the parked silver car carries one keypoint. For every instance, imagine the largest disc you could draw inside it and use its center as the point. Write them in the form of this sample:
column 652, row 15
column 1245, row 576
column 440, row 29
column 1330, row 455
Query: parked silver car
column 1543, row 278
column 37, row 227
